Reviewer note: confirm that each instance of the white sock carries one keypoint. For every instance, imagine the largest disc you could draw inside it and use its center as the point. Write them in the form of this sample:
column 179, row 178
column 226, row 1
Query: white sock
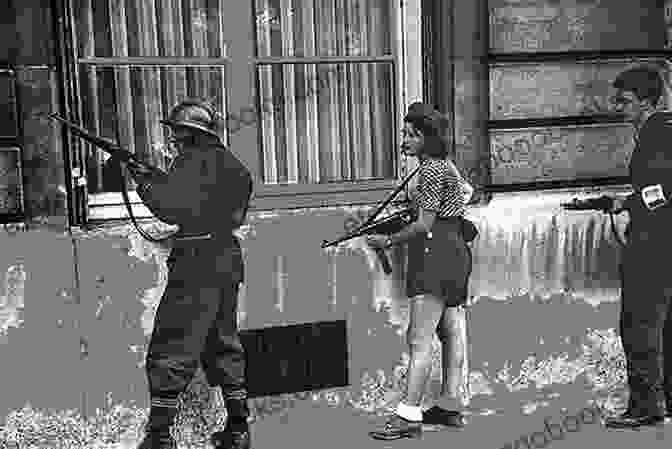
column 409, row 412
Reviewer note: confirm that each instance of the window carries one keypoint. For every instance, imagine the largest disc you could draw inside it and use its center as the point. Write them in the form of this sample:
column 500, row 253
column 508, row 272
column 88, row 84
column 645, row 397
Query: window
column 134, row 60
column 550, row 122
column 326, row 87
column 528, row 83
column 324, row 76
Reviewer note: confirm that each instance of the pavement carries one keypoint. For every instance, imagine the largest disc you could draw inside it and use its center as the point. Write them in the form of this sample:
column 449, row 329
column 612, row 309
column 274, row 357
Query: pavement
column 308, row 426
column 567, row 421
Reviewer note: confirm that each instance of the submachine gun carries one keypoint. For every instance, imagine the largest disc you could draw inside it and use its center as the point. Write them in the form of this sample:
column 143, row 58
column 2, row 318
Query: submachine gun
column 118, row 154
column 387, row 226
column 601, row 203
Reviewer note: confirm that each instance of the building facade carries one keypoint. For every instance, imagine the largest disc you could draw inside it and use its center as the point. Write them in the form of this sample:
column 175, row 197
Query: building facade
column 312, row 93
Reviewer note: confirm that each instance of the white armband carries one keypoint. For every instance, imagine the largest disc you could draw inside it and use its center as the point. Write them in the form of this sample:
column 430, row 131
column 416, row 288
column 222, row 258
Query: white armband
column 653, row 196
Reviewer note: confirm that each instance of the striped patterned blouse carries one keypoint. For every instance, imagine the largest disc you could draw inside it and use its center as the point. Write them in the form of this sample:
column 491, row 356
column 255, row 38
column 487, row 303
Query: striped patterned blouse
column 442, row 189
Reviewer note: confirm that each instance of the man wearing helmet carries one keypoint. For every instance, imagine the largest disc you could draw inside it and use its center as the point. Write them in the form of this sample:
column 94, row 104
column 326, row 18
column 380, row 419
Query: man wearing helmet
column 206, row 193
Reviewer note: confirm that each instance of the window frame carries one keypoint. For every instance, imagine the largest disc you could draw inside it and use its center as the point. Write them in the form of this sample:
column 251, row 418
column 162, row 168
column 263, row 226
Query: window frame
column 338, row 193
column 89, row 209
column 84, row 208
column 521, row 124
column 106, row 206
column 433, row 86
column 502, row 58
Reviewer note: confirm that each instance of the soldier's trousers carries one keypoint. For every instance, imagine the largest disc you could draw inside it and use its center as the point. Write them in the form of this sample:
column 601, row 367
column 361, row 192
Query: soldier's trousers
column 646, row 331
column 196, row 322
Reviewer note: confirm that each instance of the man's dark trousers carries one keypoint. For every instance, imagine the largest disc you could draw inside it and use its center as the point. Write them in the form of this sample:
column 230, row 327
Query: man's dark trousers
column 196, row 322
column 646, row 322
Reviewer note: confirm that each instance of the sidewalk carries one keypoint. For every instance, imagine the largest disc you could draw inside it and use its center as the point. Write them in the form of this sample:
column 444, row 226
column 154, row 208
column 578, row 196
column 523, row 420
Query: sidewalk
column 321, row 427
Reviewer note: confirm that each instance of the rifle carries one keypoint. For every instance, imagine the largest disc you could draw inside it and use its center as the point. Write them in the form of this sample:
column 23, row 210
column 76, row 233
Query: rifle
column 601, row 203
column 118, row 154
column 388, row 225
column 109, row 146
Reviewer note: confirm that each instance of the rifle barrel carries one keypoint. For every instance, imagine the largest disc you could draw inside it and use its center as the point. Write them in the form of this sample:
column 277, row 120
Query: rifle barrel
column 107, row 145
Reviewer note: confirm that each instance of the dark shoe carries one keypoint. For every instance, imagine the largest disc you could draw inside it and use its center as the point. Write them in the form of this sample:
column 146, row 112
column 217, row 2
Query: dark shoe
column 157, row 440
column 157, row 429
column 231, row 439
column 442, row 417
column 397, row 428
column 628, row 421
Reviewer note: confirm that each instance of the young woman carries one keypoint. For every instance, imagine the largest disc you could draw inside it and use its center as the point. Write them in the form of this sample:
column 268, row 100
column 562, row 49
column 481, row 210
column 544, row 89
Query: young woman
column 439, row 266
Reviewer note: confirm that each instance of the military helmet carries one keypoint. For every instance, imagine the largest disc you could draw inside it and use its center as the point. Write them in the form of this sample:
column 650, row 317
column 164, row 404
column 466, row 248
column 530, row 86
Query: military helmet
column 195, row 114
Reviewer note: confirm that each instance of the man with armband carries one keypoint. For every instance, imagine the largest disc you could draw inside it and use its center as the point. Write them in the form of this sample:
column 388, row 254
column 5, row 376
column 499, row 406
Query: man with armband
column 646, row 280
column 206, row 193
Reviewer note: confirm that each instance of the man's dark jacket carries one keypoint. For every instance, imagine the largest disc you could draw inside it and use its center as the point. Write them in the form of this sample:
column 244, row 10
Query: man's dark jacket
column 650, row 232
column 201, row 192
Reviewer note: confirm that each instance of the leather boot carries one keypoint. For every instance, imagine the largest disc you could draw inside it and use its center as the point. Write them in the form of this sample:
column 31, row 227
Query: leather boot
column 236, row 434
column 632, row 422
column 232, row 438
column 157, row 429
column 634, row 417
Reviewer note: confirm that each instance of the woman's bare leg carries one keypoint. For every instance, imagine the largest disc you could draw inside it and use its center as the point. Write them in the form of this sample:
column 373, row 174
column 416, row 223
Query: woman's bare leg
column 425, row 313
column 453, row 336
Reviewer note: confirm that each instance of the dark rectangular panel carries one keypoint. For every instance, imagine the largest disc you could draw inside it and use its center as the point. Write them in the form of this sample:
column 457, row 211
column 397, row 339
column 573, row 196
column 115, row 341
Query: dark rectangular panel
column 291, row 359
column 560, row 154
column 553, row 25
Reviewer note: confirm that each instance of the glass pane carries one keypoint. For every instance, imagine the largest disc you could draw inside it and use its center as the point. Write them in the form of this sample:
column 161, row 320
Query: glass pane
column 132, row 101
column 305, row 28
column 8, row 119
column 552, row 25
column 563, row 153
column 185, row 28
column 327, row 122
column 11, row 187
column 552, row 89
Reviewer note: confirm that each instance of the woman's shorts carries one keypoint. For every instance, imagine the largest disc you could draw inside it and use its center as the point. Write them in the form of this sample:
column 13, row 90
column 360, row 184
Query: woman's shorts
column 440, row 263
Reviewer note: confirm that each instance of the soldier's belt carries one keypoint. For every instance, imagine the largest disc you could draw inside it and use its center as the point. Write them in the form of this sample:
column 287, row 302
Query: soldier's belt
column 186, row 237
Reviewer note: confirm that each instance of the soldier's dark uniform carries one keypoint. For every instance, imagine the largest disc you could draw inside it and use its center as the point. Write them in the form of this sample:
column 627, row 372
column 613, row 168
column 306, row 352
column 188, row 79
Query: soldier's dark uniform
column 646, row 315
column 196, row 320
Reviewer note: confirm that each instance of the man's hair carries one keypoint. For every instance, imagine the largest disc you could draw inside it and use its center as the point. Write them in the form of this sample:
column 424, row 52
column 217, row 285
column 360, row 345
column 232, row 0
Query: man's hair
column 644, row 81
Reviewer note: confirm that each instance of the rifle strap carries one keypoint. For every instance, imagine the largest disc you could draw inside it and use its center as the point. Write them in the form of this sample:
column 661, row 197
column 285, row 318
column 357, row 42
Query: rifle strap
column 389, row 199
column 116, row 163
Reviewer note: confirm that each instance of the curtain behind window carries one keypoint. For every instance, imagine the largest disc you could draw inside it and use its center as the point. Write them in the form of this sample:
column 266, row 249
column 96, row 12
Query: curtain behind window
column 129, row 100
column 326, row 122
